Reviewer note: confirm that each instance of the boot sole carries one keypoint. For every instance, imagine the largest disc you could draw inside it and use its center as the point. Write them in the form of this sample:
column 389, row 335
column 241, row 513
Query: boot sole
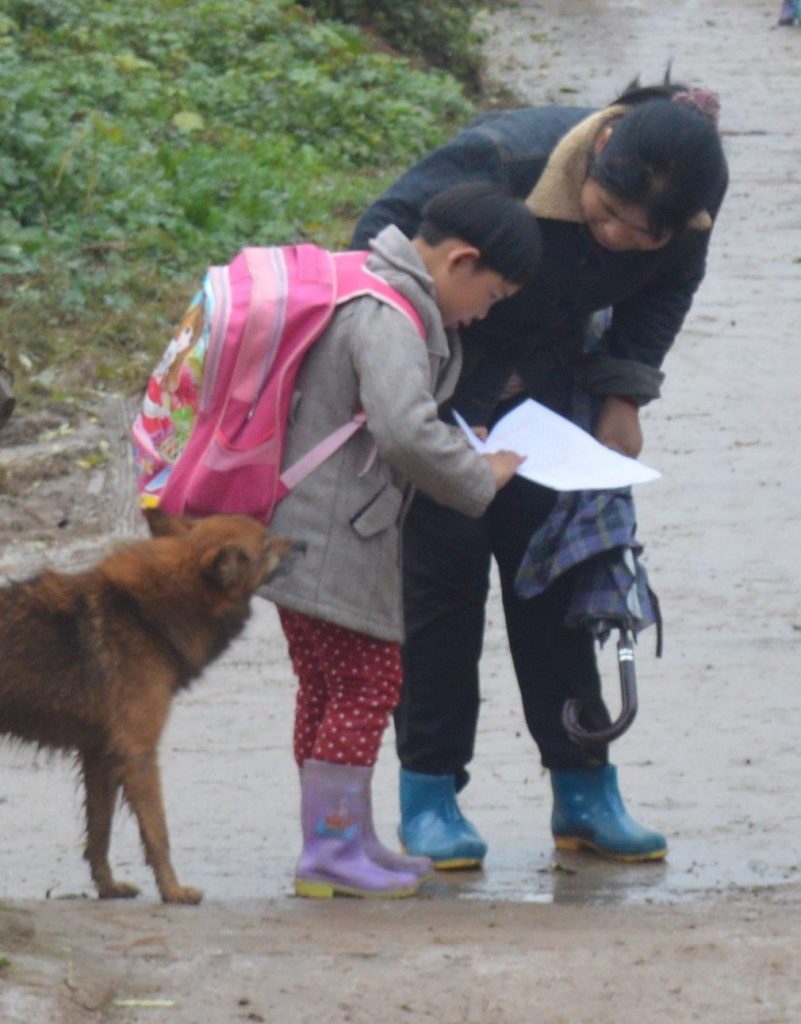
column 454, row 863
column 574, row 843
column 458, row 864
column 327, row 891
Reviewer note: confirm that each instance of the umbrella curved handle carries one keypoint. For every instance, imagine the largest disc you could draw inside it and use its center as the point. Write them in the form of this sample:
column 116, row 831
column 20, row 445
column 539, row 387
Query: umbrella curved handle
column 628, row 708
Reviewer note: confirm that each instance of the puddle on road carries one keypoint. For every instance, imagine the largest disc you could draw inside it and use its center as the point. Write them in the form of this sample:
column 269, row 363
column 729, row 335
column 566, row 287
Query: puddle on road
column 582, row 879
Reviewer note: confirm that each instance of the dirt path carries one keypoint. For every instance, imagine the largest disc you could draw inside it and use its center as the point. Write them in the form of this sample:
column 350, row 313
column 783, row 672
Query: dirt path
column 713, row 935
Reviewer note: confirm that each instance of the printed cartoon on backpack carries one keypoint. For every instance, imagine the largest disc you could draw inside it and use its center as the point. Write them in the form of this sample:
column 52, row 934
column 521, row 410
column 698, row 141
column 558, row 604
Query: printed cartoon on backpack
column 170, row 402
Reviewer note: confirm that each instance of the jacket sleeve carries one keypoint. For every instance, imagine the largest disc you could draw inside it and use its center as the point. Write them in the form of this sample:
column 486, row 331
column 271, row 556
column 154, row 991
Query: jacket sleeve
column 642, row 331
column 506, row 148
column 392, row 365
column 471, row 156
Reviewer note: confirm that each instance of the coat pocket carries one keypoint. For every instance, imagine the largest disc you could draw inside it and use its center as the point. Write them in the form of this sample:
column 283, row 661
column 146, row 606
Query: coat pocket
column 380, row 513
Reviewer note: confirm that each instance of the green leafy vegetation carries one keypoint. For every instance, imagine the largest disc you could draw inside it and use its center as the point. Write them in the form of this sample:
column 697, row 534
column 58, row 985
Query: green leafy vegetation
column 441, row 32
column 140, row 142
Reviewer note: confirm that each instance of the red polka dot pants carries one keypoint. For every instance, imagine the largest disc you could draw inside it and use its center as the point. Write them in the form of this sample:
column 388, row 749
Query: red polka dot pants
column 348, row 685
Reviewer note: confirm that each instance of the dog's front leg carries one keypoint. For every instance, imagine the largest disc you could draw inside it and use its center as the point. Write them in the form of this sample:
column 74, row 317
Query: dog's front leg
column 101, row 784
column 141, row 786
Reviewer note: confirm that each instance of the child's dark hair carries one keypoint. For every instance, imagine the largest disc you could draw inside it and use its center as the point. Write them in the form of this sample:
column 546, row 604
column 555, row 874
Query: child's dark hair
column 664, row 154
column 503, row 229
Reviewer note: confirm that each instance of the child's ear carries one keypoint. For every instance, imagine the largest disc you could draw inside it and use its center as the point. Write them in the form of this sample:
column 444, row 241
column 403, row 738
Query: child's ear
column 463, row 257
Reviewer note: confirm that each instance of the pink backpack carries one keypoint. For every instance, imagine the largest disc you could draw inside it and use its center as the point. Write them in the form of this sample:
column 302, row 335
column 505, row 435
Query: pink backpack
column 210, row 436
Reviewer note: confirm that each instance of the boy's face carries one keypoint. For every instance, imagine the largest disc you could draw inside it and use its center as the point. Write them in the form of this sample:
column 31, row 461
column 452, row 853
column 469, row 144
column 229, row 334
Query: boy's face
column 466, row 292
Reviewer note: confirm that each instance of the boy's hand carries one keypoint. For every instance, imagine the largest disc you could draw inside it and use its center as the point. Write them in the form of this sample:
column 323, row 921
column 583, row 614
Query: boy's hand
column 619, row 427
column 504, row 465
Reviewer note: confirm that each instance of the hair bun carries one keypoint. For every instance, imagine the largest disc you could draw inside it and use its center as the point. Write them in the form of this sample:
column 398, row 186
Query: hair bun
column 705, row 101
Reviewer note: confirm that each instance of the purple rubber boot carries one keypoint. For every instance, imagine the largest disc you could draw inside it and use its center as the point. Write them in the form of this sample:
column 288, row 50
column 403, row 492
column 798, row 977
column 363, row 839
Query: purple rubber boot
column 421, row 867
column 335, row 803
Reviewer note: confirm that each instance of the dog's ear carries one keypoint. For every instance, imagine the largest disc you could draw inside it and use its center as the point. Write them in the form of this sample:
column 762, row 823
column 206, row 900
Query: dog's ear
column 162, row 525
column 224, row 566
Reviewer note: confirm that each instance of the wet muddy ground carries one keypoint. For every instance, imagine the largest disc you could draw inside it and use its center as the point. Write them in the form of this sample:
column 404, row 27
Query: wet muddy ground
column 712, row 760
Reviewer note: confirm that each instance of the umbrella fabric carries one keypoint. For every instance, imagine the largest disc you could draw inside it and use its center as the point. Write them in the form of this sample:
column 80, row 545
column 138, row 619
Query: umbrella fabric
column 596, row 531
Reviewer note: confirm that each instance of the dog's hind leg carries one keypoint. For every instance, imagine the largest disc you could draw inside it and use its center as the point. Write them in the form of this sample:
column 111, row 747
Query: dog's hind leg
column 141, row 786
column 101, row 785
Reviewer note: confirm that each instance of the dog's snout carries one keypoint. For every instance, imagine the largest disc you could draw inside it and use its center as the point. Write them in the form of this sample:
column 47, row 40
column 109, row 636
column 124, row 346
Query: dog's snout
column 284, row 546
column 282, row 554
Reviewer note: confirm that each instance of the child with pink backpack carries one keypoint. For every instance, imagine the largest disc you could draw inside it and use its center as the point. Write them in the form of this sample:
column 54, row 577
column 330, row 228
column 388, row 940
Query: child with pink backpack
column 340, row 607
column 327, row 445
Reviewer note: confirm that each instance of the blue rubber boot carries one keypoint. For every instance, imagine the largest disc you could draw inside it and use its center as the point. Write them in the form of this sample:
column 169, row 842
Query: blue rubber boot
column 432, row 824
column 588, row 813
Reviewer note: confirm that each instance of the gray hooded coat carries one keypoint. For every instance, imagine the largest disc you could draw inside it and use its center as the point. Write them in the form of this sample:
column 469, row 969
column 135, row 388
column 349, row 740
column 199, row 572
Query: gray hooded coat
column 373, row 358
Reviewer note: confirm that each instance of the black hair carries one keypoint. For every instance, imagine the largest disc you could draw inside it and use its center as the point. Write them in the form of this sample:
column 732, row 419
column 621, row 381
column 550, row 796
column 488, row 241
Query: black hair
column 663, row 155
column 503, row 229
column 635, row 93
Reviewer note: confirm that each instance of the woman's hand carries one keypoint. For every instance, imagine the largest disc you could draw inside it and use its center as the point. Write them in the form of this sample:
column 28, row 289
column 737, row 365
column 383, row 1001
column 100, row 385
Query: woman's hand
column 619, row 427
column 504, row 465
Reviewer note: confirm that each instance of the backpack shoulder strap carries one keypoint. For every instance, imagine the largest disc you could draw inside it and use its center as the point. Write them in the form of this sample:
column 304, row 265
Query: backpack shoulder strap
column 354, row 279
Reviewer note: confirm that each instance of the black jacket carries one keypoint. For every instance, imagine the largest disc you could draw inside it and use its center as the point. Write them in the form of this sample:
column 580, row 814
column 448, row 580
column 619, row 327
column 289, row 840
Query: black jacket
column 540, row 333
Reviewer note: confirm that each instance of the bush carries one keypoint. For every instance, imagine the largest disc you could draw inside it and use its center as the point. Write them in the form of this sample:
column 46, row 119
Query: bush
column 438, row 31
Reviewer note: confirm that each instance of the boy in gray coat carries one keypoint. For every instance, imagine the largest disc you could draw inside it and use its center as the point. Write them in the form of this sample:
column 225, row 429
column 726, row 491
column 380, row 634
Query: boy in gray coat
column 341, row 607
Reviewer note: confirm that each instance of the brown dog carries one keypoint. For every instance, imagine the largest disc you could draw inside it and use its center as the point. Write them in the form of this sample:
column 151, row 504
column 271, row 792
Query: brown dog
column 90, row 663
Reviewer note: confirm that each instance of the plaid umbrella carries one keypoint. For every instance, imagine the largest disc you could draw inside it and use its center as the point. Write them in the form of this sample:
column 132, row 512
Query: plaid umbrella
column 595, row 530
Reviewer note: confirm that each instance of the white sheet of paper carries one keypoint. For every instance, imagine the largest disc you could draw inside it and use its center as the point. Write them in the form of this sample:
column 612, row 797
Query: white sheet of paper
column 559, row 454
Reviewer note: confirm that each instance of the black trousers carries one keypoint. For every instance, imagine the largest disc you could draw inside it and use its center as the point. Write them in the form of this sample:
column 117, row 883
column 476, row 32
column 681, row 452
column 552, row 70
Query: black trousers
column 447, row 560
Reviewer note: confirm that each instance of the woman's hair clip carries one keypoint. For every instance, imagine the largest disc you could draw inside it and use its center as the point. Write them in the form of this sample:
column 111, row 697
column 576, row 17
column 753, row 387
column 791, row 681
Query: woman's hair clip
column 705, row 101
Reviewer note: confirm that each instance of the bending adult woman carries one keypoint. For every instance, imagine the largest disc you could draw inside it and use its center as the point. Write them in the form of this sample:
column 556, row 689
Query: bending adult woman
column 626, row 198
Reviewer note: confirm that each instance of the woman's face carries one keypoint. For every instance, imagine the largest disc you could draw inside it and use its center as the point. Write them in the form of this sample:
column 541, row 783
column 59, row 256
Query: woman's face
column 616, row 225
